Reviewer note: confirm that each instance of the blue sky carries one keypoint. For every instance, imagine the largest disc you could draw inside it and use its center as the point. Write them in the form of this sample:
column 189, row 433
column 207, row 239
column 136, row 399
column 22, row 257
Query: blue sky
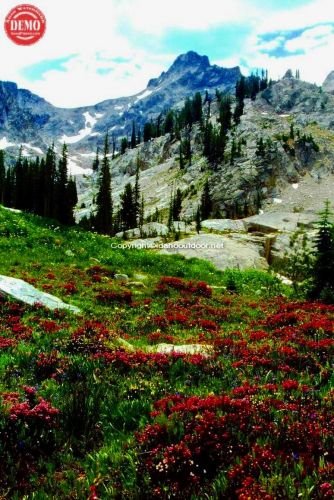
column 102, row 49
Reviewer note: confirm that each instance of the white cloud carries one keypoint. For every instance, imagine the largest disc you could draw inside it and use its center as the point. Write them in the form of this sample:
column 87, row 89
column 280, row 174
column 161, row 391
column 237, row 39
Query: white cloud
column 270, row 45
column 315, row 12
column 153, row 17
column 311, row 39
column 101, row 27
column 314, row 65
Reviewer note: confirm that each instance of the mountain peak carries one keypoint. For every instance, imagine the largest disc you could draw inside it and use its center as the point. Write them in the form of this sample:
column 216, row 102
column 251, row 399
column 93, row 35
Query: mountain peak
column 328, row 85
column 194, row 70
column 190, row 58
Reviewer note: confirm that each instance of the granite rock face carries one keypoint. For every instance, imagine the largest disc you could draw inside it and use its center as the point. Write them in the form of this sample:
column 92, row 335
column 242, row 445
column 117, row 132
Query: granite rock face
column 24, row 292
column 26, row 118
column 328, row 85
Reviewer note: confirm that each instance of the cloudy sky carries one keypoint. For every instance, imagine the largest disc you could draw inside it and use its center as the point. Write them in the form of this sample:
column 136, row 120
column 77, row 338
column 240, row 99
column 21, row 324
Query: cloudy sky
column 99, row 49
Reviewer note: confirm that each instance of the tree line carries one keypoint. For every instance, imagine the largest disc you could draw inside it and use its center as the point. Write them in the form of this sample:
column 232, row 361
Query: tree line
column 41, row 186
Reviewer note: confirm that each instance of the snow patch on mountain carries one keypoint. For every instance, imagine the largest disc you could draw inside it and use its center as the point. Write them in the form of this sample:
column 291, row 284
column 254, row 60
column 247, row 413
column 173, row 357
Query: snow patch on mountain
column 33, row 148
column 90, row 122
column 144, row 94
column 4, row 143
column 75, row 169
column 88, row 155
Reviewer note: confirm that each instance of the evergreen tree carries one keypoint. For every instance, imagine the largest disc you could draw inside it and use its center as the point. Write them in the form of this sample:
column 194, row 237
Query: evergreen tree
column 198, row 219
column 141, row 213
column 9, row 188
column 96, row 161
column 206, row 202
column 177, row 205
column 72, row 196
column 197, row 108
column 181, row 158
column 225, row 115
column 113, row 141
column 148, row 131
column 128, row 210
column 19, row 185
column 233, row 151
column 186, row 146
column 170, row 211
column 323, row 270
column 124, row 145
column 103, row 218
column 136, row 192
column 260, row 148
column 2, row 177
column 169, row 122
column 158, row 127
column 238, row 111
column 240, row 89
column 63, row 211
column 133, row 142
column 49, row 176
column 117, row 223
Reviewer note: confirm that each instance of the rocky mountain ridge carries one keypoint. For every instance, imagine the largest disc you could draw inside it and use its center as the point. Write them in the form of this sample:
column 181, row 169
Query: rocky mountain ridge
column 27, row 119
column 274, row 189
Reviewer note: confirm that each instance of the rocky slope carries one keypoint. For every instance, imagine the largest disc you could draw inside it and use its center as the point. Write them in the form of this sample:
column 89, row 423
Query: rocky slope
column 241, row 185
column 290, row 179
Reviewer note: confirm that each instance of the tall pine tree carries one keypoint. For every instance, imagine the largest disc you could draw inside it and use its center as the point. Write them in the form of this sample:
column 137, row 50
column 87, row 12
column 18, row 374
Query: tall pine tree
column 128, row 209
column 103, row 217
column 206, row 202
column 2, row 177
column 323, row 271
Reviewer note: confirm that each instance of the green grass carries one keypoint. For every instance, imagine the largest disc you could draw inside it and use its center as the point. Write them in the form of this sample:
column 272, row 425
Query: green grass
column 99, row 370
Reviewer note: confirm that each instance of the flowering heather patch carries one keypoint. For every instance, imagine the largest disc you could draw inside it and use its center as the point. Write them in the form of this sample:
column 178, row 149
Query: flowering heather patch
column 90, row 337
column 109, row 297
column 101, row 270
column 31, row 409
column 70, row 288
column 11, row 320
column 4, row 342
column 48, row 325
column 189, row 287
column 125, row 361
column 85, row 414
column 193, row 438
column 49, row 365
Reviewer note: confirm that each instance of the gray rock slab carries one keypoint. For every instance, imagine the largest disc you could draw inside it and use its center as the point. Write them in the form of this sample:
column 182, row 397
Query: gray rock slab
column 203, row 349
column 24, row 292
column 222, row 251
column 224, row 225
column 279, row 221
column 151, row 229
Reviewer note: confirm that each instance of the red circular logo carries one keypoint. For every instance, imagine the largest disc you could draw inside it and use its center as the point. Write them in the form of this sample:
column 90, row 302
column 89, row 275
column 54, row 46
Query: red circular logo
column 25, row 24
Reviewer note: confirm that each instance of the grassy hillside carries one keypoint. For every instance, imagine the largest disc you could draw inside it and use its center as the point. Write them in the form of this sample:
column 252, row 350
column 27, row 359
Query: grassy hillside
column 90, row 409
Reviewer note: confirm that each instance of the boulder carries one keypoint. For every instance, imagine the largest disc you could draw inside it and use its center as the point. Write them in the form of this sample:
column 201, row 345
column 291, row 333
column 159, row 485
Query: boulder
column 203, row 349
column 279, row 221
column 181, row 226
column 328, row 85
column 224, row 225
column 121, row 277
column 222, row 251
column 24, row 292
column 151, row 229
